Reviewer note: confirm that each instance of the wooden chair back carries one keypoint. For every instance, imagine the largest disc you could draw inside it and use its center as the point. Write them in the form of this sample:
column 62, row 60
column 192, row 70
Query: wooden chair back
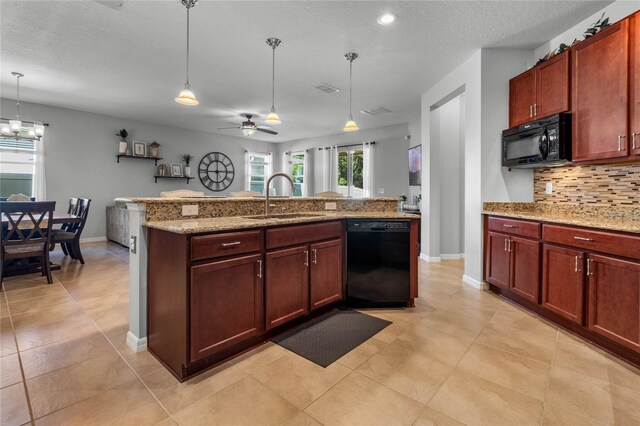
column 26, row 222
column 82, row 210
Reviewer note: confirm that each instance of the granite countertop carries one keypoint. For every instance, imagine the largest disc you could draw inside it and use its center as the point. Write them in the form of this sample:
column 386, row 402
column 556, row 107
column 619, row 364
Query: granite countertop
column 614, row 218
column 215, row 198
column 230, row 223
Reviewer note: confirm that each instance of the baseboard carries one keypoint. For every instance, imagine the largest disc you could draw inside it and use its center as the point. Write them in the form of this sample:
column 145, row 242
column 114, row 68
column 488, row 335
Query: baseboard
column 457, row 256
column 135, row 344
column 474, row 283
column 93, row 239
column 429, row 259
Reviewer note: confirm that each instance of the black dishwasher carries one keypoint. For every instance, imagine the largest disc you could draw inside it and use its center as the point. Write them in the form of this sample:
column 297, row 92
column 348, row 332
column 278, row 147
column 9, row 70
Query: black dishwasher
column 377, row 262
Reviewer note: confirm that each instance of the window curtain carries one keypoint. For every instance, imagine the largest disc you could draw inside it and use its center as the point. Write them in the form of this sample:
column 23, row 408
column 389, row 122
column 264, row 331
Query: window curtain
column 247, row 172
column 288, row 169
column 307, row 173
column 39, row 177
column 330, row 169
column 368, row 160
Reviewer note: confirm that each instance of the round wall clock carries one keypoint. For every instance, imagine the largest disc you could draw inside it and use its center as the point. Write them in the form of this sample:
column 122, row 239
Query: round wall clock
column 216, row 171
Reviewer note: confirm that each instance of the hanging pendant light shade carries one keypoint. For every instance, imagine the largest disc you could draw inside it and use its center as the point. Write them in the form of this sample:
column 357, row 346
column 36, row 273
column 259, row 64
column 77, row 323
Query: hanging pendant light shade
column 350, row 125
column 186, row 96
column 273, row 117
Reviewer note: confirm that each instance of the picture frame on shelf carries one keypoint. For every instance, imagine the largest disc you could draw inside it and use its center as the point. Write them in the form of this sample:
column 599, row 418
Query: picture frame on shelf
column 139, row 148
column 176, row 170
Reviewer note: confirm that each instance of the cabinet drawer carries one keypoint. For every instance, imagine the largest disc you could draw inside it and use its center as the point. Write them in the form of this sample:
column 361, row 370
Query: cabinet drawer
column 606, row 242
column 522, row 228
column 301, row 234
column 227, row 244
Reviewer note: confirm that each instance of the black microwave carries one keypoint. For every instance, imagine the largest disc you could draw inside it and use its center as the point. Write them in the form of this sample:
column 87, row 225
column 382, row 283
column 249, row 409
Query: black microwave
column 541, row 143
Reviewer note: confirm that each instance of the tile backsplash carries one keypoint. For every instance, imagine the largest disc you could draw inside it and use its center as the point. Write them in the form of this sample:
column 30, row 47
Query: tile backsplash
column 604, row 185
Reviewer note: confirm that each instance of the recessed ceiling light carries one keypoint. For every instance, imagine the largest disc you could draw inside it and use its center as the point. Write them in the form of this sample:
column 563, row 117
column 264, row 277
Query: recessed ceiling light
column 387, row 19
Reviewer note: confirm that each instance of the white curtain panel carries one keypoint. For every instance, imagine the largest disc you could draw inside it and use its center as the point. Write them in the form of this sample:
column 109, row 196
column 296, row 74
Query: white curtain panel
column 39, row 178
column 307, row 173
column 247, row 172
column 287, row 167
column 368, row 160
column 334, row 170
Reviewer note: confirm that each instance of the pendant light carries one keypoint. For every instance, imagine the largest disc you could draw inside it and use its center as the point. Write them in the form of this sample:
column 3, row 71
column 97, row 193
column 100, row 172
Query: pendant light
column 186, row 96
column 17, row 126
column 273, row 118
column 350, row 125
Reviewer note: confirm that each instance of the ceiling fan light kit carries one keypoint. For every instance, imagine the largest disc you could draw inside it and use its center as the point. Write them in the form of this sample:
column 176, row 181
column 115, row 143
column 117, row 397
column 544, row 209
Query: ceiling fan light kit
column 186, row 96
column 350, row 125
column 273, row 117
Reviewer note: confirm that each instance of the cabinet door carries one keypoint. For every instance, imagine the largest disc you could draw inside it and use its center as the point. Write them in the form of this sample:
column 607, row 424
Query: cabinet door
column 522, row 96
column 326, row 273
column 497, row 272
column 287, row 285
column 563, row 282
column 600, row 95
column 525, row 268
column 614, row 300
column 634, row 102
column 226, row 304
column 552, row 86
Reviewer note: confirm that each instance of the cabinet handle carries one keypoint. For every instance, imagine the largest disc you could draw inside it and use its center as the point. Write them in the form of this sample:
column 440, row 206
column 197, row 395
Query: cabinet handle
column 583, row 239
column 259, row 268
column 535, row 110
column 530, row 111
column 509, row 246
column 577, row 267
column 233, row 244
column 509, row 226
column 589, row 267
column 505, row 244
column 306, row 258
column 315, row 256
column 620, row 137
column 633, row 140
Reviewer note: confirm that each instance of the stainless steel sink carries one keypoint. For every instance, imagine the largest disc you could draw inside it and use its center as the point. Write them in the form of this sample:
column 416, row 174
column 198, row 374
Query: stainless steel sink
column 282, row 216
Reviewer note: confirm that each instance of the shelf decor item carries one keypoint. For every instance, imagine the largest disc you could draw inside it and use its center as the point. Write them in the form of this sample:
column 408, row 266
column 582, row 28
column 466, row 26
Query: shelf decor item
column 139, row 148
column 161, row 170
column 122, row 147
column 187, row 159
column 153, row 149
column 176, row 170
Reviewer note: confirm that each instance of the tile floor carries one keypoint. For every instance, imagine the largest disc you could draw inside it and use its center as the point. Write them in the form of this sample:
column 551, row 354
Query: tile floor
column 460, row 357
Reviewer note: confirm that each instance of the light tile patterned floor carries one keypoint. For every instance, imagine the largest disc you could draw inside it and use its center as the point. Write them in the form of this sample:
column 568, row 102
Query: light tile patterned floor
column 460, row 357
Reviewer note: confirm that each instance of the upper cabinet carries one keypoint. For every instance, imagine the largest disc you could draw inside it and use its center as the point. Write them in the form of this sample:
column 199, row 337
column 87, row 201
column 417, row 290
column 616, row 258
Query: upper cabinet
column 540, row 92
column 600, row 100
column 635, row 85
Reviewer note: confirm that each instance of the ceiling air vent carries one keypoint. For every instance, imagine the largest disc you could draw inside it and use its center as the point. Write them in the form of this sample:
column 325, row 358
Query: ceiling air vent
column 376, row 111
column 324, row 87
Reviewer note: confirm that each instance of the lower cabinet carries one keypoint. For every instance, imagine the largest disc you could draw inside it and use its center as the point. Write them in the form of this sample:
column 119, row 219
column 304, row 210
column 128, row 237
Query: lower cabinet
column 563, row 282
column 498, row 260
column 326, row 273
column 226, row 304
column 525, row 268
column 287, row 285
column 614, row 299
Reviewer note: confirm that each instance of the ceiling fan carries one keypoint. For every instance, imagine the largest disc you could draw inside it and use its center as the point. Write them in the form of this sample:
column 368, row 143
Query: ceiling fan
column 249, row 127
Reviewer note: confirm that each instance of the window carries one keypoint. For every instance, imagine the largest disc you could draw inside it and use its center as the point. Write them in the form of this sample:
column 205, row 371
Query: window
column 297, row 172
column 258, row 171
column 17, row 167
column 350, row 173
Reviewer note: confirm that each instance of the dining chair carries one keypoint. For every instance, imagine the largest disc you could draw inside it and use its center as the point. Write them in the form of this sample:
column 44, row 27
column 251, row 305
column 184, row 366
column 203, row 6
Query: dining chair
column 69, row 236
column 72, row 209
column 26, row 233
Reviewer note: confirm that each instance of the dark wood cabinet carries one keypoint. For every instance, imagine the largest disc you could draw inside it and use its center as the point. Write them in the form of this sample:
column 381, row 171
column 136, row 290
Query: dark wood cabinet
column 614, row 299
column 522, row 97
column 600, row 95
column 634, row 102
column 226, row 304
column 552, row 86
column 525, row 268
column 498, row 260
column 563, row 282
column 326, row 273
column 287, row 285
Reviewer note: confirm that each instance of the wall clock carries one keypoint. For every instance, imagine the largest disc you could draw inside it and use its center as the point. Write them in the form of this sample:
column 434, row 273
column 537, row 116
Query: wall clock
column 216, row 171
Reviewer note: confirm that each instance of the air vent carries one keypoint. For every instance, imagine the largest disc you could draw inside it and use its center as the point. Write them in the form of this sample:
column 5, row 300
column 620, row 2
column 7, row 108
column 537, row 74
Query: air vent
column 112, row 4
column 376, row 111
column 324, row 87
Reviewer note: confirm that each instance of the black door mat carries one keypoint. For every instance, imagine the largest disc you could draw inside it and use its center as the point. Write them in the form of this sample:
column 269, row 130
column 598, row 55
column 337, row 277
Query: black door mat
column 332, row 336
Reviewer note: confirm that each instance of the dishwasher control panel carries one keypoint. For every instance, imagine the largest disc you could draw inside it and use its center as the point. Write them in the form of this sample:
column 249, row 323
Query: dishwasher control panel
column 378, row 225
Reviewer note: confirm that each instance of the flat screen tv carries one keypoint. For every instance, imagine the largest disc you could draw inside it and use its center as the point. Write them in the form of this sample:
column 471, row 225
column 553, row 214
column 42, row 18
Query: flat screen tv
column 415, row 165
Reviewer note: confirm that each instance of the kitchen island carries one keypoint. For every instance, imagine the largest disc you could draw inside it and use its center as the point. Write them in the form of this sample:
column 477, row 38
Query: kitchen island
column 217, row 284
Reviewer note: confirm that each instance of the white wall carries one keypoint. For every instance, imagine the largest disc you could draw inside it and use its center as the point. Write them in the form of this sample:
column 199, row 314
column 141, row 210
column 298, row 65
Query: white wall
column 80, row 157
column 615, row 11
column 391, row 164
column 415, row 131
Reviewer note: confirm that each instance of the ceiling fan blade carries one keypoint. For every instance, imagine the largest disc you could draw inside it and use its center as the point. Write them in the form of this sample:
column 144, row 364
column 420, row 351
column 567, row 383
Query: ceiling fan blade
column 227, row 128
column 271, row 132
column 235, row 124
column 264, row 126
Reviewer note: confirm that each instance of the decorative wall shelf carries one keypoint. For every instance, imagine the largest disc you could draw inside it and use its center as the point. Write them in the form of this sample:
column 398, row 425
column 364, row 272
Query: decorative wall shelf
column 140, row 158
column 188, row 178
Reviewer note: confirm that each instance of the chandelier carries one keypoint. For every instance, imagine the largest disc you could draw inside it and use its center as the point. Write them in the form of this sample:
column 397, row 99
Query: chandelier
column 19, row 129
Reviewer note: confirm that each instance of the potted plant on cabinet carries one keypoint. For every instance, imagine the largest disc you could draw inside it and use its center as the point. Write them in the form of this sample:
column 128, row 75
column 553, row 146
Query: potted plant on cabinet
column 187, row 159
column 122, row 148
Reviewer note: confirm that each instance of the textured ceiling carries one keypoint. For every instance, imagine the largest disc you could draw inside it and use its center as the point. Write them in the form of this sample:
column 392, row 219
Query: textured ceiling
column 130, row 62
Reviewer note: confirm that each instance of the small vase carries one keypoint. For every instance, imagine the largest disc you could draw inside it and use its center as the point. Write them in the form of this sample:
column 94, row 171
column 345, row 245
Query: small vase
column 122, row 148
column 187, row 171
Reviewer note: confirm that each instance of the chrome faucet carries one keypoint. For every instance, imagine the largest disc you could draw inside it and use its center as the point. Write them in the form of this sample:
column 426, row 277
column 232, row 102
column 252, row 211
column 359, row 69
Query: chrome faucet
column 267, row 206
